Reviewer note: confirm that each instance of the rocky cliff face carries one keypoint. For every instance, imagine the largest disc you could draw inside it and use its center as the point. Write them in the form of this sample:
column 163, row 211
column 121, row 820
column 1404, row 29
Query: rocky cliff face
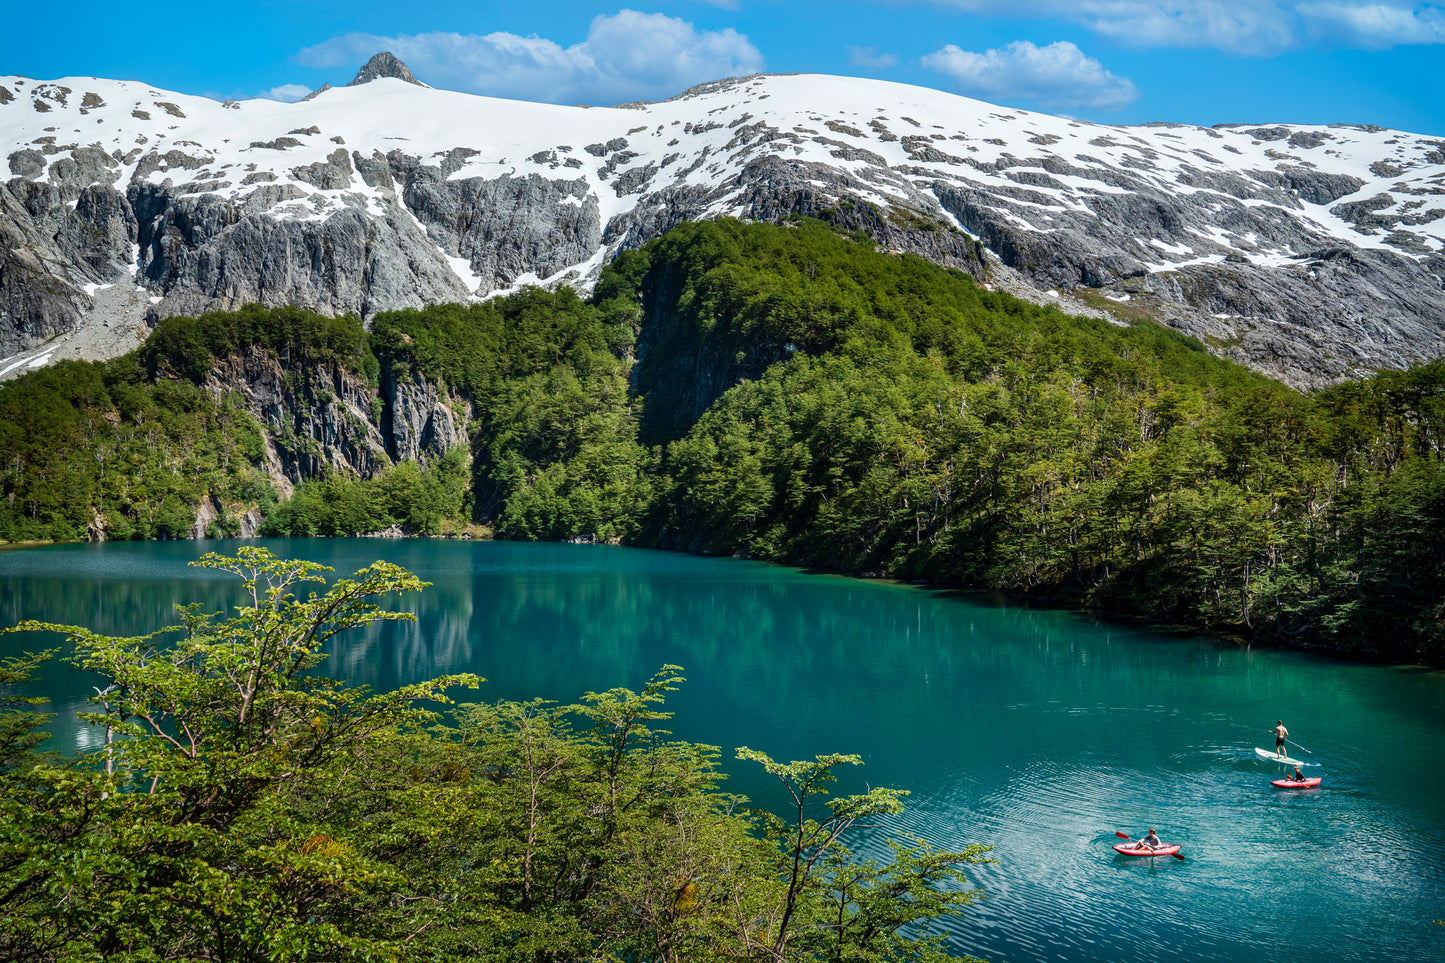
column 325, row 420
column 419, row 422
column 1310, row 253
column 384, row 64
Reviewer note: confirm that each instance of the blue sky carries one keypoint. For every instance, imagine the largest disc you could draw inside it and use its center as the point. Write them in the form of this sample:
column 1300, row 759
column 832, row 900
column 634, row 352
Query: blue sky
column 1112, row 61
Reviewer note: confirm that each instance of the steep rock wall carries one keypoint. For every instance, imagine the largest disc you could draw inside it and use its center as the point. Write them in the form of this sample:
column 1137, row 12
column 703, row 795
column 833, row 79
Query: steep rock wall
column 326, row 420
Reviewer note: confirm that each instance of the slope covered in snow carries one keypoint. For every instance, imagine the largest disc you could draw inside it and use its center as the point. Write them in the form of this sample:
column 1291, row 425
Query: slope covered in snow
column 1312, row 253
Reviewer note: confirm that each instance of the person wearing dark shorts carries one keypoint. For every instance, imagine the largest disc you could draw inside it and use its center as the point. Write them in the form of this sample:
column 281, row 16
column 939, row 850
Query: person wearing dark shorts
column 1150, row 841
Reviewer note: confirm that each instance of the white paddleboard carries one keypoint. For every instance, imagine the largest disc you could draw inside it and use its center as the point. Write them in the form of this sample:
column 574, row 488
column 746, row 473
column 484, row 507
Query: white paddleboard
column 1275, row 757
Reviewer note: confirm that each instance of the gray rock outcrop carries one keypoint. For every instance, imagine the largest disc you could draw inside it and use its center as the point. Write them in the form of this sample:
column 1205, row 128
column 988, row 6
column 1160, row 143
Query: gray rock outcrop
column 505, row 227
column 419, row 424
column 317, row 422
column 37, row 299
column 381, row 65
column 320, row 419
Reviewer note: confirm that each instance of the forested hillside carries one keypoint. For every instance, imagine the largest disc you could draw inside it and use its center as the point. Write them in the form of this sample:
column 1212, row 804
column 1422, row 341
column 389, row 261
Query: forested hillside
column 924, row 428
column 790, row 393
column 95, row 450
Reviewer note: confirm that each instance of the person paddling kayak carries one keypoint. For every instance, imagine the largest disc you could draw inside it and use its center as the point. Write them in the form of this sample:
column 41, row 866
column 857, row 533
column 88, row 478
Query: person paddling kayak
column 1280, row 734
column 1149, row 842
column 1146, row 848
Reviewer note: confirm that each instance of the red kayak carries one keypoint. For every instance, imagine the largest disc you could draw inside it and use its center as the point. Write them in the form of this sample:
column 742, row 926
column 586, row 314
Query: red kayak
column 1309, row 783
column 1127, row 849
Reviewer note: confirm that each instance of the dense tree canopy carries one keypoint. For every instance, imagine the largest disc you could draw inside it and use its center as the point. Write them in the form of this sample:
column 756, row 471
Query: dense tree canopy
column 88, row 448
column 902, row 421
column 187, row 347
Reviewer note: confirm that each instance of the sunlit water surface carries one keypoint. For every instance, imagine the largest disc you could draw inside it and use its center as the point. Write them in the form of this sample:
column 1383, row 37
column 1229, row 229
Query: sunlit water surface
column 1038, row 733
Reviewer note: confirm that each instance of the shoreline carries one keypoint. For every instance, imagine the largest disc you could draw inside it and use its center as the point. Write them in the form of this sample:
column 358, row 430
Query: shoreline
column 37, row 543
column 1116, row 617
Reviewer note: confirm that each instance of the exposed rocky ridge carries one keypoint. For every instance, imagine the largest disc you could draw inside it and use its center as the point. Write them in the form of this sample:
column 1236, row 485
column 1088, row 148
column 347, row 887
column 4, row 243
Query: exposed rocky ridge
column 381, row 65
column 1310, row 253
column 419, row 421
column 321, row 420
column 37, row 302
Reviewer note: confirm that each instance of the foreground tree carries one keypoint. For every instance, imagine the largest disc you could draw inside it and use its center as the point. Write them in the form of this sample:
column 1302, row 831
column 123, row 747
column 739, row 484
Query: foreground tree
column 187, row 840
column 19, row 715
column 245, row 808
column 834, row 908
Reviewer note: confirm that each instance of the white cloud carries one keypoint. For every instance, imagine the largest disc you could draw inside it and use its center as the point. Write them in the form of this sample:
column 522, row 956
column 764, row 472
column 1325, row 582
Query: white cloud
column 867, row 58
column 626, row 56
column 1374, row 26
column 1058, row 76
column 1237, row 27
column 1250, row 27
column 287, row 93
column 666, row 53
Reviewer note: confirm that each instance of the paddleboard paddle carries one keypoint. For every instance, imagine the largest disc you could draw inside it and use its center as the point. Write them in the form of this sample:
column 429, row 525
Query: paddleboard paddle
column 1293, row 743
column 1240, row 725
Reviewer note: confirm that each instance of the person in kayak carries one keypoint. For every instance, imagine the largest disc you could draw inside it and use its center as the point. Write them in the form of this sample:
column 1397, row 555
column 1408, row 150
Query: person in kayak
column 1298, row 776
column 1149, row 842
column 1280, row 734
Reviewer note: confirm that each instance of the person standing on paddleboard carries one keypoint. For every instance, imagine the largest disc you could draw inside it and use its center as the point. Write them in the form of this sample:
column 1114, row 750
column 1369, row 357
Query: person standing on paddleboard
column 1280, row 734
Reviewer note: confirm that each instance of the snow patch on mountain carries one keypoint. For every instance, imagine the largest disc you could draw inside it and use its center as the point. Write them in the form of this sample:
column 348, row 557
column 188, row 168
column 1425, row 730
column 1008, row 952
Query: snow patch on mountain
column 439, row 195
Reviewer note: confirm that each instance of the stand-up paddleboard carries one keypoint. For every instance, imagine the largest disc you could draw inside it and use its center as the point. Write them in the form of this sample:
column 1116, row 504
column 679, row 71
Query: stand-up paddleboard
column 1276, row 757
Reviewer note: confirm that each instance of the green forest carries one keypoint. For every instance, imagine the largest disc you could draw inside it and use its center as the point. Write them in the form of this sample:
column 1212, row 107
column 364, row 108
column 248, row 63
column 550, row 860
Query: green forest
column 247, row 809
column 790, row 393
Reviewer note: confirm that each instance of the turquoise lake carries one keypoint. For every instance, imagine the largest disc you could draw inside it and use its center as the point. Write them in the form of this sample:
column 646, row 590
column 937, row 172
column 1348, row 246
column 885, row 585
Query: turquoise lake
column 1039, row 733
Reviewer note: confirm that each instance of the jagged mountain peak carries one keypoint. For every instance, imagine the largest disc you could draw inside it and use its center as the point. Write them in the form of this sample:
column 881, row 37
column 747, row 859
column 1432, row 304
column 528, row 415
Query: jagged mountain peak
column 384, row 64
column 1313, row 253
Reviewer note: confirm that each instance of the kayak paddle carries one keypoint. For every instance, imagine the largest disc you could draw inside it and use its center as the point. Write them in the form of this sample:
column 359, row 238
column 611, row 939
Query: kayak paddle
column 1125, row 836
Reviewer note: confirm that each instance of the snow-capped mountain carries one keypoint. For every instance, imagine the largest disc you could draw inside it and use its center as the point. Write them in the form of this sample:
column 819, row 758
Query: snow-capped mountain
column 1311, row 253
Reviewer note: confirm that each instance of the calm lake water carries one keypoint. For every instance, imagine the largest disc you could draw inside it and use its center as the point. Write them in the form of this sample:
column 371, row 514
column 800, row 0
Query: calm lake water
column 1038, row 733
